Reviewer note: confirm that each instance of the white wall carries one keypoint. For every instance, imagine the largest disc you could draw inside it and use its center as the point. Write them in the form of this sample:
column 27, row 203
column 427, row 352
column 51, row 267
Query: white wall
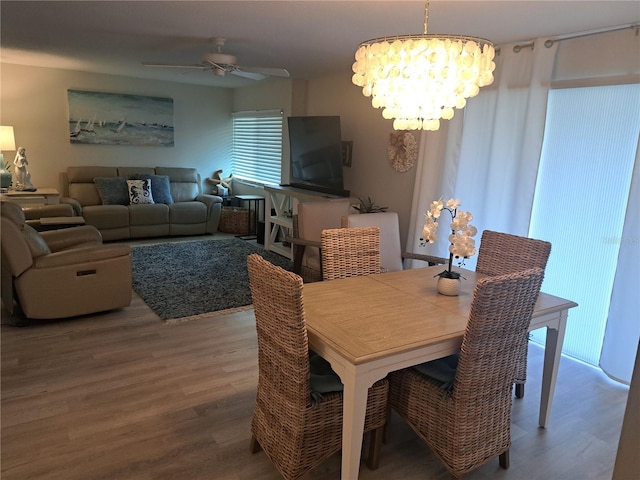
column 34, row 102
column 612, row 57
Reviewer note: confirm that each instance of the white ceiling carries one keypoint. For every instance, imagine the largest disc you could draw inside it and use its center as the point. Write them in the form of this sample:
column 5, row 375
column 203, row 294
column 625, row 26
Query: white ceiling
column 308, row 38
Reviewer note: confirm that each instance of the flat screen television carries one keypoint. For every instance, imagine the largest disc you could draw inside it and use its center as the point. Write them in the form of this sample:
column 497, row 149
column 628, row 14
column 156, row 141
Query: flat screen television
column 316, row 154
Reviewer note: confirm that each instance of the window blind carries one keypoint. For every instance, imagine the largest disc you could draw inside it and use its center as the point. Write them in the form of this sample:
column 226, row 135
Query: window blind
column 257, row 146
column 588, row 156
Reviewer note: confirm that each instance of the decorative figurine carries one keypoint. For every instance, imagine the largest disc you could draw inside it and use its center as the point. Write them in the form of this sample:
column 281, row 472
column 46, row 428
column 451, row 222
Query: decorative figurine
column 219, row 181
column 23, row 177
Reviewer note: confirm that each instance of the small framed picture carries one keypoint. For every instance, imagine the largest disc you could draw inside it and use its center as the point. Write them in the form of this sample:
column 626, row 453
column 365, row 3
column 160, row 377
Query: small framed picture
column 347, row 149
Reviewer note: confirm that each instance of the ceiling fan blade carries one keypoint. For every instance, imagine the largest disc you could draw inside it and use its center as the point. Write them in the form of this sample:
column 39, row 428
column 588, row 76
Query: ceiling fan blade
column 272, row 72
column 199, row 66
column 251, row 75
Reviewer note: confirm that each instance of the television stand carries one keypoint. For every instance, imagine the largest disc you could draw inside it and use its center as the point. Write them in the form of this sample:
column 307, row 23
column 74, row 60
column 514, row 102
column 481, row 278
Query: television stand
column 284, row 199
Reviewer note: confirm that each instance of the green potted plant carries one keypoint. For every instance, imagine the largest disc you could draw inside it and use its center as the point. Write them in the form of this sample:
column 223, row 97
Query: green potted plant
column 369, row 206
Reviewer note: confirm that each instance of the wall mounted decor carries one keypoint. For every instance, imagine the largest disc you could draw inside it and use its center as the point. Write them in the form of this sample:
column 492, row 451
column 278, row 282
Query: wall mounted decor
column 402, row 151
column 347, row 151
column 118, row 119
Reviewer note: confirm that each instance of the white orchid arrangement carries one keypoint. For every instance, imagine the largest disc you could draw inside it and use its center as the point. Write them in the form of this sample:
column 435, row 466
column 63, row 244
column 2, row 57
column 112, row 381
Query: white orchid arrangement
column 462, row 245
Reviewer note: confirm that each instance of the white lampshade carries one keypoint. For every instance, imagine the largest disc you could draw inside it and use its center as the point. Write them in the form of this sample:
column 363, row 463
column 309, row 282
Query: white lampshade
column 7, row 139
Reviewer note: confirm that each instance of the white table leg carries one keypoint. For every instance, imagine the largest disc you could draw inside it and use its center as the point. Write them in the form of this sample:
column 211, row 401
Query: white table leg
column 354, row 411
column 552, row 354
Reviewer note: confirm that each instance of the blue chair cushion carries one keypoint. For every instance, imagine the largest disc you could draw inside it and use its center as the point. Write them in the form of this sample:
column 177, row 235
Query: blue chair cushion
column 443, row 370
column 323, row 378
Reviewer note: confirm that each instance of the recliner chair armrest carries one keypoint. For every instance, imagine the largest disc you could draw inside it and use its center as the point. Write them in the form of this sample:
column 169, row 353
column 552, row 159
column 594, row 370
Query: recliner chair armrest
column 77, row 207
column 37, row 212
column 82, row 255
column 425, row 258
column 73, row 237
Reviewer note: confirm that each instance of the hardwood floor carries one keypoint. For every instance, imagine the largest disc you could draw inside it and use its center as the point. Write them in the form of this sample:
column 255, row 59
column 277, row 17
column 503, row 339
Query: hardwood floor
column 120, row 395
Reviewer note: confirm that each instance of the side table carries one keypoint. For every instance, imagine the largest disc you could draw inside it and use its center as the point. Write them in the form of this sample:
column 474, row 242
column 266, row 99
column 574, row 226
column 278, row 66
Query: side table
column 40, row 196
column 256, row 199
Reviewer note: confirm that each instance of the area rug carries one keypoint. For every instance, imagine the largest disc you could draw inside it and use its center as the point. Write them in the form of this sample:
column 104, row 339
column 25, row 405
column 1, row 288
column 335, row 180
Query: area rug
column 185, row 279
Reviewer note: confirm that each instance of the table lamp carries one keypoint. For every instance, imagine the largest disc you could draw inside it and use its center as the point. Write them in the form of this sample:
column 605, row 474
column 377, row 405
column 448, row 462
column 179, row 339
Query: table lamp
column 8, row 143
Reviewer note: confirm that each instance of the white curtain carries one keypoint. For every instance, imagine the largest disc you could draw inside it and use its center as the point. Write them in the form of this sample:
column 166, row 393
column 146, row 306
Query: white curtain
column 623, row 323
column 488, row 157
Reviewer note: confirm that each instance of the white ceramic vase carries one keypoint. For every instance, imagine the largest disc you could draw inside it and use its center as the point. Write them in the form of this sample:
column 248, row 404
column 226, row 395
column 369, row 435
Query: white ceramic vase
column 448, row 286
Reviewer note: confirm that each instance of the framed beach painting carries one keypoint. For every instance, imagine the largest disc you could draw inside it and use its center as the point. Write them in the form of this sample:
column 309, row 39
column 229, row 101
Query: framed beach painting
column 118, row 119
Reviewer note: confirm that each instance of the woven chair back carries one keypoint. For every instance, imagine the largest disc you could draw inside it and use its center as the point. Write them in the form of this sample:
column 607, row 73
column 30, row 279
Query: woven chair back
column 296, row 430
column 350, row 252
column 502, row 253
column 496, row 331
column 283, row 349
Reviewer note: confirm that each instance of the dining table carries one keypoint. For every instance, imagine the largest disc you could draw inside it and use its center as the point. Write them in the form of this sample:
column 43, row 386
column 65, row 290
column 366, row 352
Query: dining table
column 368, row 326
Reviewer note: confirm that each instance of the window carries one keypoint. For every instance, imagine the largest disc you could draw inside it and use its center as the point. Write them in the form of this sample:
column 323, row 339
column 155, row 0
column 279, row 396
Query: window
column 257, row 146
column 580, row 202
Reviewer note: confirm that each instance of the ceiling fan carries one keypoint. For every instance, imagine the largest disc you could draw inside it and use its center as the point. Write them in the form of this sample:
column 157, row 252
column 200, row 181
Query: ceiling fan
column 221, row 64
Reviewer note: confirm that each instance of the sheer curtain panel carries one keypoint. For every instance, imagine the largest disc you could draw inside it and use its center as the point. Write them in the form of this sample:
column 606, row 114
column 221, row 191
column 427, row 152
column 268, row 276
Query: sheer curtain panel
column 490, row 161
column 623, row 323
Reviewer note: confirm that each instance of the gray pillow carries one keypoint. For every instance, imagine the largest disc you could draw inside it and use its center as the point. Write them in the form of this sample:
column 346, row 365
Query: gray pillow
column 160, row 187
column 112, row 190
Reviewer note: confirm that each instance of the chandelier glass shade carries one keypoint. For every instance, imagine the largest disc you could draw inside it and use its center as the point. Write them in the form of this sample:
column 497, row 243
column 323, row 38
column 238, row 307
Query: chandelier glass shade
column 419, row 79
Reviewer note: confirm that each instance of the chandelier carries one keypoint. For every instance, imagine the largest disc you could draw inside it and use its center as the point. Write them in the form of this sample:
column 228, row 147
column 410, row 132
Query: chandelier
column 419, row 79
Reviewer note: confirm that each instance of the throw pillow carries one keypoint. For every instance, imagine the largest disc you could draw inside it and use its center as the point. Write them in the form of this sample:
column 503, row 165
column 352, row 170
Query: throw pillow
column 112, row 190
column 140, row 191
column 160, row 187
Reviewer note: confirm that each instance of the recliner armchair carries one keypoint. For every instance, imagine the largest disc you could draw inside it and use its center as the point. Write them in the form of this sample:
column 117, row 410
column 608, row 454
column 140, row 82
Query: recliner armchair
column 61, row 273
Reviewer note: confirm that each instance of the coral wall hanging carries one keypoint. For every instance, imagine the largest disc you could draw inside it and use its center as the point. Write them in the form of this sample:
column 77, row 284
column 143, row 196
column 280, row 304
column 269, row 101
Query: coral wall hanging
column 402, row 151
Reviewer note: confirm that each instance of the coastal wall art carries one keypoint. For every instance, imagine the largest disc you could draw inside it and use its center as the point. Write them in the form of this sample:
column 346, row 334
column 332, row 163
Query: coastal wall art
column 118, row 119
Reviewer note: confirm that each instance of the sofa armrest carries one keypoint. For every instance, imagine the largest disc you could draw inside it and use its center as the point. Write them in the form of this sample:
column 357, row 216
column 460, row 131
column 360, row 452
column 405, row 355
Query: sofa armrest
column 82, row 255
column 214, row 208
column 209, row 199
column 77, row 208
column 63, row 239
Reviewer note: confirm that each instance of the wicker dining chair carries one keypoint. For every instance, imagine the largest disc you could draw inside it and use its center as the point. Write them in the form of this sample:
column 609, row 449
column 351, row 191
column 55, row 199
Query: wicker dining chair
column 308, row 223
column 350, row 252
column 501, row 253
column 466, row 419
column 392, row 258
column 297, row 423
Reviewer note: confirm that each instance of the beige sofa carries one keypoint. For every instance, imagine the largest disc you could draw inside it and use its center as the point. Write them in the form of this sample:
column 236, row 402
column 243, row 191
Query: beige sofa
column 190, row 212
